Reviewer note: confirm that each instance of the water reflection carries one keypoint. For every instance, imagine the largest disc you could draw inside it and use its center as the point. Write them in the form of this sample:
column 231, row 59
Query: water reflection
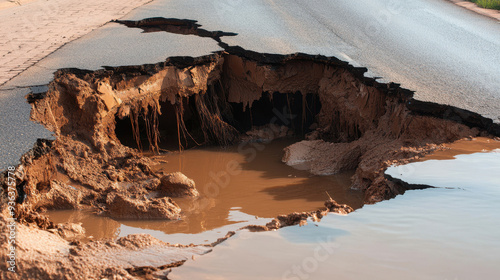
column 263, row 188
column 95, row 226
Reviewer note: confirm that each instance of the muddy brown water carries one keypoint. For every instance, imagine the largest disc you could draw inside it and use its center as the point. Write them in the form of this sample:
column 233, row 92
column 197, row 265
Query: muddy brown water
column 239, row 185
column 465, row 146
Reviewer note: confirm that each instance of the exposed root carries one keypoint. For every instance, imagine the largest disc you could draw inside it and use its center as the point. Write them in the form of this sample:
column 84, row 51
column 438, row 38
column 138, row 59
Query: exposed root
column 148, row 109
column 181, row 126
column 134, row 121
column 214, row 128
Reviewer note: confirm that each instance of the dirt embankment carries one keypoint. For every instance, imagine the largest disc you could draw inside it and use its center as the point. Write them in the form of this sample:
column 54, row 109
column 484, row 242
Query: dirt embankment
column 361, row 124
column 350, row 122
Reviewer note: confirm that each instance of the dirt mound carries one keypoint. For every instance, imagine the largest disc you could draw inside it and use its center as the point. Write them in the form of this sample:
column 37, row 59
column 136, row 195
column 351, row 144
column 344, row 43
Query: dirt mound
column 323, row 158
column 177, row 185
column 45, row 255
column 70, row 231
column 123, row 207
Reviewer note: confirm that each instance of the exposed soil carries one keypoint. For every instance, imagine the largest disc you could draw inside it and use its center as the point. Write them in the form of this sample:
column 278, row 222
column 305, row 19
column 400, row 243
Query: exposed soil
column 45, row 255
column 349, row 121
column 300, row 218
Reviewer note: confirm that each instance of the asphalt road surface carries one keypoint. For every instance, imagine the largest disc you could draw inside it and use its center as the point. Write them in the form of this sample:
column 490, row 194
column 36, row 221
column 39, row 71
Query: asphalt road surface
column 445, row 53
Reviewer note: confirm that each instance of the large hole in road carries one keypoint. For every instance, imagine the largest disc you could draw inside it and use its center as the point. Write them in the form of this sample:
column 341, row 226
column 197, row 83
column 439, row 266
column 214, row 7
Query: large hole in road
column 349, row 123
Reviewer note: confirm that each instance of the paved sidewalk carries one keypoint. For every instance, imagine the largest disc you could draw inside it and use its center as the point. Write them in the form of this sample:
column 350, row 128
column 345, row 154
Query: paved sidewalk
column 32, row 31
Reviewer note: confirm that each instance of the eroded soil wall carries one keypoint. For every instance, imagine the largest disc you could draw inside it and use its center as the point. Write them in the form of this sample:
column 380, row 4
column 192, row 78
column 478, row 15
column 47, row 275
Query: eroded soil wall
column 209, row 100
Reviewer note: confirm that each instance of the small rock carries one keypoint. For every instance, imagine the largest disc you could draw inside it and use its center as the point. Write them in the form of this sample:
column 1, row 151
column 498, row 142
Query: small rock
column 123, row 207
column 71, row 231
column 177, row 185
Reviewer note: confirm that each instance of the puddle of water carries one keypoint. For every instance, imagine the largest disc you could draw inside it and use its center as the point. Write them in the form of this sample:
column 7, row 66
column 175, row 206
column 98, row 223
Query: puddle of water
column 464, row 146
column 449, row 232
column 263, row 188
column 95, row 226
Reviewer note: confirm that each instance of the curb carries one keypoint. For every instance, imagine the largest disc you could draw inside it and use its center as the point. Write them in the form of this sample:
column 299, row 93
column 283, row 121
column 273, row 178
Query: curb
column 495, row 14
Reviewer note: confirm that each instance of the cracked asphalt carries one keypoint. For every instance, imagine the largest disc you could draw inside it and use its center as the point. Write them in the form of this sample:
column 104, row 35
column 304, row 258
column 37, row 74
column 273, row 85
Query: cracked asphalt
column 443, row 52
